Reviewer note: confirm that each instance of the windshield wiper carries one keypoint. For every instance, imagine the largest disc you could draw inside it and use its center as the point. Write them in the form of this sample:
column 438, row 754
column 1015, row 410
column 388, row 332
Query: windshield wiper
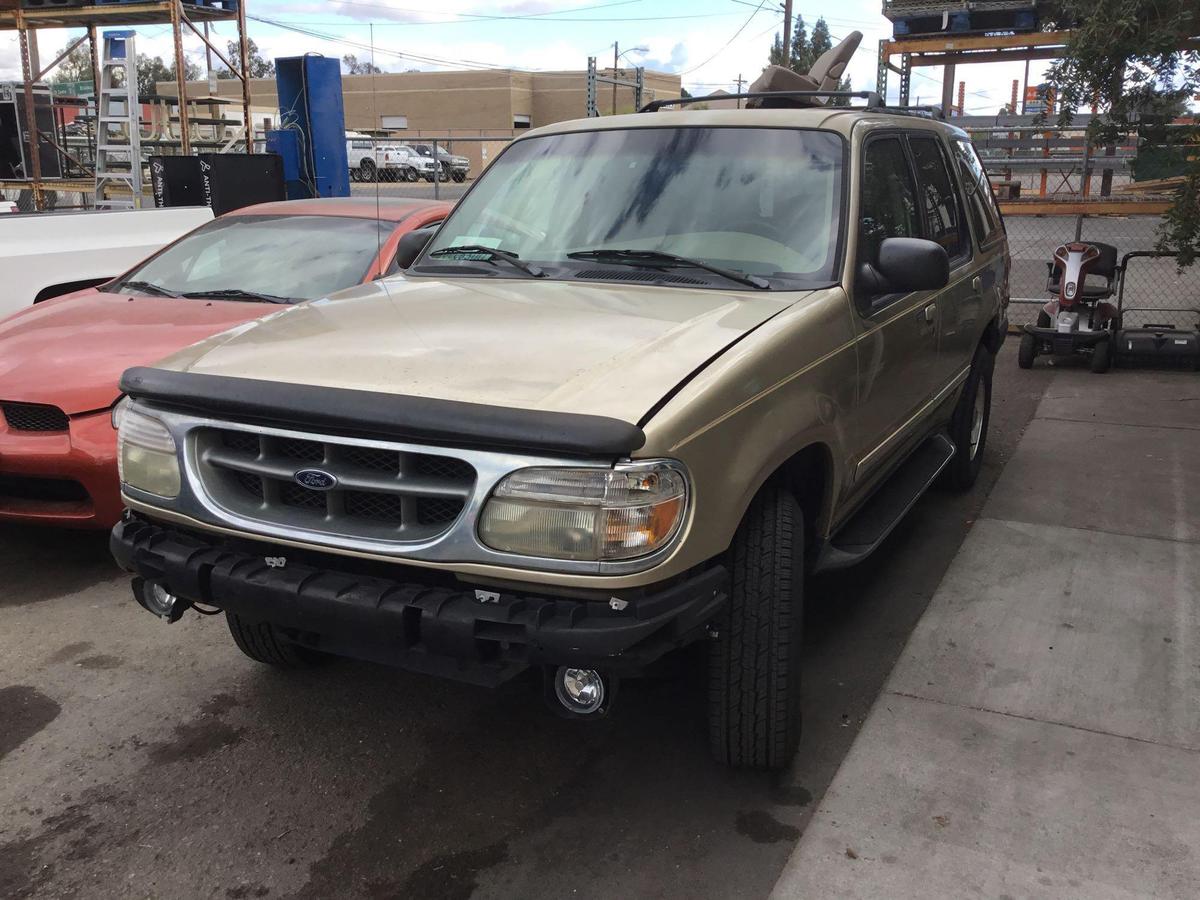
column 148, row 287
column 492, row 253
column 237, row 294
column 661, row 258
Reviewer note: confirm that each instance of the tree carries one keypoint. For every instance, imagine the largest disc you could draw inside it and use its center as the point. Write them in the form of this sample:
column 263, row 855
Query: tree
column 799, row 58
column 259, row 67
column 821, row 41
column 152, row 70
column 354, row 67
column 776, row 56
column 805, row 51
column 76, row 67
column 802, row 56
column 1126, row 56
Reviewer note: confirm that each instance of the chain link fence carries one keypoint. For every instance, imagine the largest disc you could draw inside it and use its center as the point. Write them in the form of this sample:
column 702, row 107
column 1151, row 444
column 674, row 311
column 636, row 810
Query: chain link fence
column 52, row 199
column 1155, row 283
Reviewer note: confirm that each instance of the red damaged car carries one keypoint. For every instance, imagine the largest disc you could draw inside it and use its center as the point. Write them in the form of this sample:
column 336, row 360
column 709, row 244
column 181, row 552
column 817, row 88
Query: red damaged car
column 60, row 360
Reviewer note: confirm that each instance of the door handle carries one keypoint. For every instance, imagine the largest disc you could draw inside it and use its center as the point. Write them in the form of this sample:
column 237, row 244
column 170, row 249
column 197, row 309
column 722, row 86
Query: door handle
column 977, row 284
column 931, row 312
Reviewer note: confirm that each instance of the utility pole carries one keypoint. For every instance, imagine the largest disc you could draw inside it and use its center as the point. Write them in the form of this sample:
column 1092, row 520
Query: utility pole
column 616, row 59
column 739, row 90
column 787, row 33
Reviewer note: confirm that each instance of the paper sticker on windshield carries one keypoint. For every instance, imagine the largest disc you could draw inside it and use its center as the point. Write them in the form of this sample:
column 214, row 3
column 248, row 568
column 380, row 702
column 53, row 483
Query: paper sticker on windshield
column 468, row 239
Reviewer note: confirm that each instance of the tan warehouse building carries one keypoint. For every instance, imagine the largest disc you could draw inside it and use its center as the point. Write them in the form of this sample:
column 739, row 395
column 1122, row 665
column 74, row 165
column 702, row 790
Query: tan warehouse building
column 495, row 101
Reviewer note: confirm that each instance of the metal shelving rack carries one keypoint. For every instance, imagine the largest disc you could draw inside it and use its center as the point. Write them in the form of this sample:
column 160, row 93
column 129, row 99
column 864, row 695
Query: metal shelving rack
column 175, row 13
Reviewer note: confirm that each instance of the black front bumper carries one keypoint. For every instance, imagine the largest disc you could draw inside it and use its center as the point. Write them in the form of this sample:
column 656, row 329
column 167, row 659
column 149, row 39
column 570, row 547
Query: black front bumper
column 1066, row 342
column 419, row 619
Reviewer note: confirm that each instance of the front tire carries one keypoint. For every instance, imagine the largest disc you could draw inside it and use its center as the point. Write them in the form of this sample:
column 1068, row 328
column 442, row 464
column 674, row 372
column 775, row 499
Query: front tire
column 754, row 662
column 1102, row 356
column 1027, row 351
column 263, row 643
column 969, row 426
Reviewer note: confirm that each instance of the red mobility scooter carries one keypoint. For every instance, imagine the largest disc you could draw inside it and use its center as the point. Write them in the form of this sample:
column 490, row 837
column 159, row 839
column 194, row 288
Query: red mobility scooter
column 1083, row 276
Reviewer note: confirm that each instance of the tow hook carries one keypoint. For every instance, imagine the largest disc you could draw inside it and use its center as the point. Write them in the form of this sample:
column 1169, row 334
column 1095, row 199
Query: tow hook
column 577, row 693
column 155, row 598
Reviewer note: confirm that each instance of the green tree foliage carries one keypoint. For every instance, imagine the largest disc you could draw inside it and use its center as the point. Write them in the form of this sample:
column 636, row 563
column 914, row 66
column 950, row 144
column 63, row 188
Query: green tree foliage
column 802, row 51
column 353, row 66
column 821, row 41
column 805, row 50
column 1126, row 56
column 776, row 56
column 76, row 67
column 151, row 70
column 259, row 67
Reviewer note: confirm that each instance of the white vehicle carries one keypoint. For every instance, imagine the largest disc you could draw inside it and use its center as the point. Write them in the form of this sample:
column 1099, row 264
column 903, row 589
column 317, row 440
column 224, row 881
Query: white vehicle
column 7, row 206
column 45, row 255
column 373, row 161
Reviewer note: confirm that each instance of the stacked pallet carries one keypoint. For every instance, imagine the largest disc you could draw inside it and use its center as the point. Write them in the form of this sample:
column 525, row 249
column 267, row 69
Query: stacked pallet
column 913, row 18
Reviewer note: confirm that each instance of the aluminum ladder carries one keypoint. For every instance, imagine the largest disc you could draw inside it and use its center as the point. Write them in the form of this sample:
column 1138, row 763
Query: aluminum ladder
column 118, row 126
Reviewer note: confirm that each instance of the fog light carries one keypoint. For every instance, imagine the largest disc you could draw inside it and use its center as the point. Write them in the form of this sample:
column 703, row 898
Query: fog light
column 155, row 598
column 579, row 690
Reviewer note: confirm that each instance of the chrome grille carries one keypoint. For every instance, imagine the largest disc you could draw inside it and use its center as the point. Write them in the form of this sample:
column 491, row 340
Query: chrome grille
column 380, row 493
column 35, row 417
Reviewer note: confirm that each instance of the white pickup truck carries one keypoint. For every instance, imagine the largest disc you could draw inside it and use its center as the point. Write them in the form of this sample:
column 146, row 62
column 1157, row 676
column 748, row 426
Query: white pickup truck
column 44, row 255
column 374, row 160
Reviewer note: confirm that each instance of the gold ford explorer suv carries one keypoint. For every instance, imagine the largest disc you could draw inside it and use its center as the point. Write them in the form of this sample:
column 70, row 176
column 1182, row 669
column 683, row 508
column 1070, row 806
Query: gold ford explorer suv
column 651, row 372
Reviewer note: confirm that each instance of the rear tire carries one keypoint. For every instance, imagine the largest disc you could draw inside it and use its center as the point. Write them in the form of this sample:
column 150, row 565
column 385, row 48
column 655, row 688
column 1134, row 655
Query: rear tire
column 1102, row 356
column 754, row 663
column 262, row 642
column 969, row 426
column 366, row 171
column 1027, row 351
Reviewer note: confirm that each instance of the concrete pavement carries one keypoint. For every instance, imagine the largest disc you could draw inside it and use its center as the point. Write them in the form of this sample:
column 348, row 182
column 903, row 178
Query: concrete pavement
column 1040, row 734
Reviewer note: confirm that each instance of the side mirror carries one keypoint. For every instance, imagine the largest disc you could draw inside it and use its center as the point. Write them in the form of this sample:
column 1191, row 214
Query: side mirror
column 409, row 247
column 906, row 265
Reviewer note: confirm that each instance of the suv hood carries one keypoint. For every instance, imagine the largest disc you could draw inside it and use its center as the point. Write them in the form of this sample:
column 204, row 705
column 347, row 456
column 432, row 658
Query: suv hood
column 542, row 345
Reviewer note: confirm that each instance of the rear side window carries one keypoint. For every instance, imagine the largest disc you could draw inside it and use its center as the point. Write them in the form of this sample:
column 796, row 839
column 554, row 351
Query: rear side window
column 889, row 199
column 985, row 214
column 940, row 204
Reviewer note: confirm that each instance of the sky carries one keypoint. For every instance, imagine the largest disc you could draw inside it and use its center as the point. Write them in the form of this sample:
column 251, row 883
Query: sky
column 709, row 42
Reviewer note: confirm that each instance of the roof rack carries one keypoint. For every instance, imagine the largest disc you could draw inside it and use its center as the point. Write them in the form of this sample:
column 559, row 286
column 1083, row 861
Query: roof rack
column 874, row 102
column 871, row 97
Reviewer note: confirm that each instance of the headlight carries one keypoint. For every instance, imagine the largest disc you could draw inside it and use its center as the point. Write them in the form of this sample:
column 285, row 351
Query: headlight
column 146, row 454
column 585, row 514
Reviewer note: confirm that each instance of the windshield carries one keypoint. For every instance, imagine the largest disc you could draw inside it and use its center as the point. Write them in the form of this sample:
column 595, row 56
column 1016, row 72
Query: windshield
column 295, row 257
column 761, row 201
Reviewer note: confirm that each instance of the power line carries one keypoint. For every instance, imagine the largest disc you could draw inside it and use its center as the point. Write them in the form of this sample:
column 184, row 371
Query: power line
column 391, row 8
column 725, row 46
column 416, row 57
column 526, row 20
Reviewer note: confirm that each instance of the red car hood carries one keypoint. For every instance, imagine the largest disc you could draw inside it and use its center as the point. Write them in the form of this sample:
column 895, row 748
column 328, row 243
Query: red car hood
column 70, row 352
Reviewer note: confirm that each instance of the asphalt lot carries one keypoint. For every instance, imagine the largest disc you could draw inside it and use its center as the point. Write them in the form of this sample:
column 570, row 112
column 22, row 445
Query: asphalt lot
column 141, row 760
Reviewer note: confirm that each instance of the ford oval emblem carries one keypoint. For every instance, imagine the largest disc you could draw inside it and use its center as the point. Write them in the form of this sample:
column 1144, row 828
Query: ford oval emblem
column 315, row 479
